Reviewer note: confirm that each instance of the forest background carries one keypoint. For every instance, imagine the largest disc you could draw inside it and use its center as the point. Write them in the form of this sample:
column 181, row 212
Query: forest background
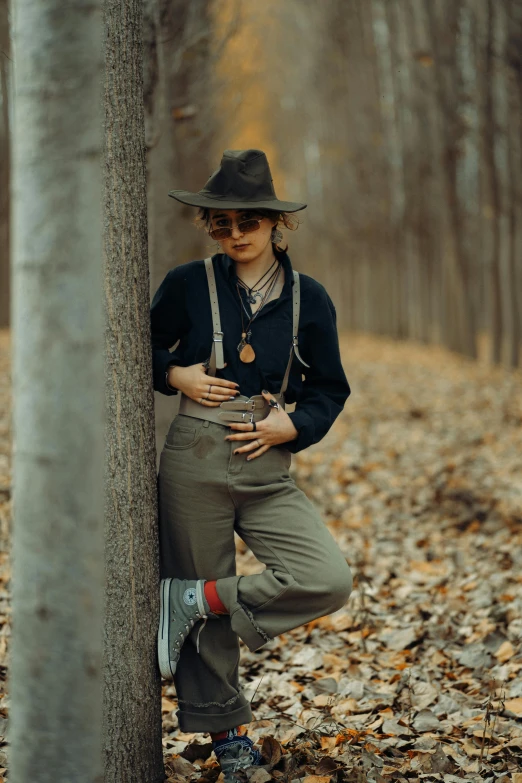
column 399, row 123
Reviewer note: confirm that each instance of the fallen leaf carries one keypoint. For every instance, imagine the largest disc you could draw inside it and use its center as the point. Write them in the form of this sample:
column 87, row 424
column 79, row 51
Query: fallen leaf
column 505, row 652
column 317, row 779
column 196, row 750
column 181, row 766
column 258, row 775
column 327, row 743
column 271, row 750
column 426, row 720
column 514, row 706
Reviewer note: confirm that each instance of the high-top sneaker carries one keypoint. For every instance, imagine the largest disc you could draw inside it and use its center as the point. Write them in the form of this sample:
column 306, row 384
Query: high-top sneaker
column 235, row 752
column 182, row 605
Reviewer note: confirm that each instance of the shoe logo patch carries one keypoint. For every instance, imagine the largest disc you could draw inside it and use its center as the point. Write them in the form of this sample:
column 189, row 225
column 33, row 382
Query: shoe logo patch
column 189, row 596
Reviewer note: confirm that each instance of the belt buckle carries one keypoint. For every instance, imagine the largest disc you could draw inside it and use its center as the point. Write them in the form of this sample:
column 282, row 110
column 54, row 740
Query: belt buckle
column 248, row 413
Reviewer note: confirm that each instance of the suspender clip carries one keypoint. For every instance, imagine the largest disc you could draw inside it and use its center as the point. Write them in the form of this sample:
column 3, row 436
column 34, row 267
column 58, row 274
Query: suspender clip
column 296, row 351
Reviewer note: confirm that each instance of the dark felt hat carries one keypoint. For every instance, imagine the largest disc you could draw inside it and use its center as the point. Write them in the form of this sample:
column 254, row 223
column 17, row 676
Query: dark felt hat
column 243, row 179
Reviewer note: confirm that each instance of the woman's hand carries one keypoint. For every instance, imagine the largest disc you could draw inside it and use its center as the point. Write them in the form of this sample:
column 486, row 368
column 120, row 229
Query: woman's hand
column 276, row 428
column 196, row 384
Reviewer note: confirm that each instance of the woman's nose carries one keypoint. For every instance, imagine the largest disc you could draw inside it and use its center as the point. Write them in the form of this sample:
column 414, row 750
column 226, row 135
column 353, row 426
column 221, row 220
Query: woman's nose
column 236, row 233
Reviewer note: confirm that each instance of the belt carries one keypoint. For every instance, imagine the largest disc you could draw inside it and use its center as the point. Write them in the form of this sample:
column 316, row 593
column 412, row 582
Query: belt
column 241, row 409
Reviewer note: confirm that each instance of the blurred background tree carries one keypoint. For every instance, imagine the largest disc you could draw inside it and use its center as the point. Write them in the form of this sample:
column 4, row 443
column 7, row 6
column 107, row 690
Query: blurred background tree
column 398, row 121
column 5, row 77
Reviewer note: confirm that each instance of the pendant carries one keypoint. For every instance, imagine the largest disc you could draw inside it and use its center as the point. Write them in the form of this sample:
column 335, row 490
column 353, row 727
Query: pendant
column 245, row 350
column 247, row 354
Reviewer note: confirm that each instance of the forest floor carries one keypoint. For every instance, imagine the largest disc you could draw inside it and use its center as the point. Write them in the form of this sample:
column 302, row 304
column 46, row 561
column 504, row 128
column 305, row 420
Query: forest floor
column 418, row 677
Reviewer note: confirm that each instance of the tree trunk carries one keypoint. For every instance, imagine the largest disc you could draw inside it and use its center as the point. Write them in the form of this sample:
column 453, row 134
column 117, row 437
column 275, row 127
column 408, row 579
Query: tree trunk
column 179, row 125
column 132, row 721
column 390, row 122
column 5, row 62
column 55, row 674
column 501, row 157
column 514, row 79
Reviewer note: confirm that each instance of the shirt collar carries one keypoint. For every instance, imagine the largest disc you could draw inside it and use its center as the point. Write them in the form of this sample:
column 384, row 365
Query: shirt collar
column 229, row 269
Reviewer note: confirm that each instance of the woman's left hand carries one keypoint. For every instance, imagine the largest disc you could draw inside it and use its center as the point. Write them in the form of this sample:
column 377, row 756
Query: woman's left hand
column 276, row 428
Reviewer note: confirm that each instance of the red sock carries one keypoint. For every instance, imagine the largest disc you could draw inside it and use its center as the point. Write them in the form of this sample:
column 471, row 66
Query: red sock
column 214, row 601
column 237, row 732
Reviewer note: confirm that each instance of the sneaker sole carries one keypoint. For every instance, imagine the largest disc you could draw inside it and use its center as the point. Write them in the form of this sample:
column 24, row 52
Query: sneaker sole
column 165, row 664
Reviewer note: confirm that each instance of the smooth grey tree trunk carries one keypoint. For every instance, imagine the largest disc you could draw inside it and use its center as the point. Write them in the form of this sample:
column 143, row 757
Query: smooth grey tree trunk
column 5, row 72
column 56, row 653
column 132, row 720
column 179, row 127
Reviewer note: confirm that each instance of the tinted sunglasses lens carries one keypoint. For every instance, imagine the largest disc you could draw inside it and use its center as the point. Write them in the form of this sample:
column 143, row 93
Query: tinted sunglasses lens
column 247, row 226
column 220, row 233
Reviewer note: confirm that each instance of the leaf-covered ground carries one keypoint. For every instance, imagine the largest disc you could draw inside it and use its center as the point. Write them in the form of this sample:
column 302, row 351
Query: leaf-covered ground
column 419, row 677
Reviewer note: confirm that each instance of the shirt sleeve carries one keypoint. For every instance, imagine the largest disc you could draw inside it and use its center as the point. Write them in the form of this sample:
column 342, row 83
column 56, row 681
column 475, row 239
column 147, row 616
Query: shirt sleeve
column 168, row 324
column 325, row 387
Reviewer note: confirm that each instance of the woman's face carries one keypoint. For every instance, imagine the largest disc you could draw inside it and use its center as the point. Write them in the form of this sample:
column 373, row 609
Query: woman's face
column 242, row 247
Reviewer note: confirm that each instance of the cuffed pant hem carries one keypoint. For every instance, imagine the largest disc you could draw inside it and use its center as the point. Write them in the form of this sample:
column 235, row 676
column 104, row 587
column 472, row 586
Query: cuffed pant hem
column 244, row 625
column 242, row 620
column 215, row 721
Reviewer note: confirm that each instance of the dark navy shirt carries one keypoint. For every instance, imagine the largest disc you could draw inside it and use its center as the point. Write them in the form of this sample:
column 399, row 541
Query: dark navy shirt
column 180, row 310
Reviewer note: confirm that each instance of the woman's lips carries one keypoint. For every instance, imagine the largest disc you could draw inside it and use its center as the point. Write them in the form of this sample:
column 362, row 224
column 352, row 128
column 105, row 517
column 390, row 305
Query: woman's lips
column 239, row 247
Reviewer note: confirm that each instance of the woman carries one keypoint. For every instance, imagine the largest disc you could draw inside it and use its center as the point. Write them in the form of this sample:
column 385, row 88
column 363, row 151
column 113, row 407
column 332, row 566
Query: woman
column 252, row 336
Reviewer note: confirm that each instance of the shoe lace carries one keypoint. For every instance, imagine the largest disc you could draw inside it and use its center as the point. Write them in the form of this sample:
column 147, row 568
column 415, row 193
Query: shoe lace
column 188, row 628
column 238, row 754
column 198, row 615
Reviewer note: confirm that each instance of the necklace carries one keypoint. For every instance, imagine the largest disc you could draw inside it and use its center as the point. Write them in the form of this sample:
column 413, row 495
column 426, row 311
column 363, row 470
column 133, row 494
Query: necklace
column 253, row 292
column 251, row 295
column 245, row 350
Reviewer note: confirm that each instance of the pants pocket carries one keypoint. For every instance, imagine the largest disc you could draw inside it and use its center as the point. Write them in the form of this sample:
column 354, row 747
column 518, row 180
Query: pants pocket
column 183, row 434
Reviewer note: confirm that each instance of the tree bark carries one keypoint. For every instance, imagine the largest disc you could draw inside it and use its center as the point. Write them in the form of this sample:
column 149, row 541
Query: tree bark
column 132, row 720
column 58, row 400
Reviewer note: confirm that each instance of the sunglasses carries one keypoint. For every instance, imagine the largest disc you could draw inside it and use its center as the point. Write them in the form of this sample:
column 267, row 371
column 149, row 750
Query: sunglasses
column 245, row 227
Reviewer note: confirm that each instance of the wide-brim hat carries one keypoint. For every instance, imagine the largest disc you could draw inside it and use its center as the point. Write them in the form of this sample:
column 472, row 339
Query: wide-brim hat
column 243, row 180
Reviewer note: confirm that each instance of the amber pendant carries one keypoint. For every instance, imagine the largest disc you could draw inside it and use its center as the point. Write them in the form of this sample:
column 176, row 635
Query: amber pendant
column 245, row 350
column 247, row 354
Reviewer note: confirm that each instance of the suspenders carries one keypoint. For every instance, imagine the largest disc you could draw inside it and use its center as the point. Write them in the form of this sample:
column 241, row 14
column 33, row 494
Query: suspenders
column 217, row 358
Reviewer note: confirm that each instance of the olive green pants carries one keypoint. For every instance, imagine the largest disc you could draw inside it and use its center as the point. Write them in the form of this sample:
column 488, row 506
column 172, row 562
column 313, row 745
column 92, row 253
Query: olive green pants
column 205, row 494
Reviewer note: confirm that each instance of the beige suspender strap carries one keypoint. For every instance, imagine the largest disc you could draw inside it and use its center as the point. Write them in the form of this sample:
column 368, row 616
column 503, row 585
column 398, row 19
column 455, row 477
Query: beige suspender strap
column 296, row 302
column 296, row 305
column 217, row 357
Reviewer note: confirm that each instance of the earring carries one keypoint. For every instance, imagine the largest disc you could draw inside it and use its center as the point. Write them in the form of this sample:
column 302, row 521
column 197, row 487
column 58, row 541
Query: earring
column 276, row 235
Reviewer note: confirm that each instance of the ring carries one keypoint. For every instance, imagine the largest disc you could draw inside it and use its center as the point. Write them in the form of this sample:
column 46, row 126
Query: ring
column 258, row 444
column 254, row 426
column 210, row 390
